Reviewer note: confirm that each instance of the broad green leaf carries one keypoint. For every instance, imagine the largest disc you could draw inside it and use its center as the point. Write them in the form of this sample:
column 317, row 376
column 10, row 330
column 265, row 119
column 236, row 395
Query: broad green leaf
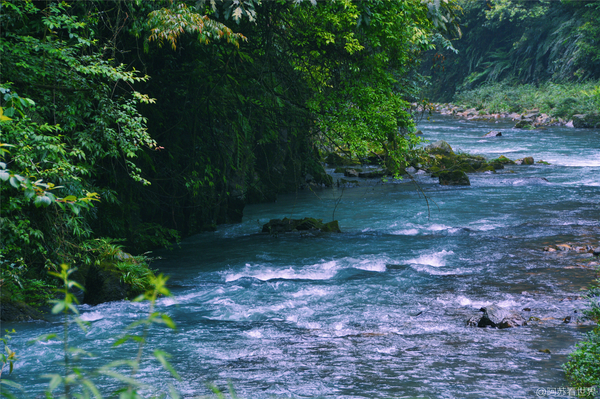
column 42, row 200
column 4, row 117
column 14, row 182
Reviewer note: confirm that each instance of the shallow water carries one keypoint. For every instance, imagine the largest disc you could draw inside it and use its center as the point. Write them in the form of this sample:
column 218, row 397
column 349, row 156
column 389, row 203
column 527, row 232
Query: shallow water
column 379, row 310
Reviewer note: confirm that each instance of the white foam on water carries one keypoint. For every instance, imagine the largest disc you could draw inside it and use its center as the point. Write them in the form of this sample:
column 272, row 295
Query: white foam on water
column 467, row 302
column 168, row 301
column 508, row 150
column 406, row 232
column 310, row 292
column 436, row 259
column 373, row 265
column 591, row 160
column 321, row 271
column 438, row 227
column 254, row 333
column 508, row 304
column 388, row 351
column 484, row 225
column 227, row 309
column 476, row 304
column 92, row 316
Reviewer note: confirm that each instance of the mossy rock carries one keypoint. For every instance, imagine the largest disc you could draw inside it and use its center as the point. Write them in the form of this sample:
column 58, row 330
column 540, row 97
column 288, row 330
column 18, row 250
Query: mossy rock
column 276, row 226
column 524, row 124
column 439, row 147
column 105, row 283
column 525, row 161
column 12, row 310
column 504, row 160
column 336, row 159
column 331, row 227
column 374, row 174
column 454, row 178
column 318, row 174
column 590, row 121
column 496, row 165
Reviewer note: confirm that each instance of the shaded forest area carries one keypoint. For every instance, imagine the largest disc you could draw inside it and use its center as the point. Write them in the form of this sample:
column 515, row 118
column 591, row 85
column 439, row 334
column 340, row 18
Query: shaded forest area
column 129, row 124
column 517, row 43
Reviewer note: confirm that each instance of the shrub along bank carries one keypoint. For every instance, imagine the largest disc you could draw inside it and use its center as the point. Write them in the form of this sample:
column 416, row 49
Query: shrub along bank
column 556, row 100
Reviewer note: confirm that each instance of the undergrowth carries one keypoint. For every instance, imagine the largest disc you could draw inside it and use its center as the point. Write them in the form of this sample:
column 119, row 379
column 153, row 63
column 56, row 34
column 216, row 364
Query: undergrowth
column 583, row 368
column 557, row 100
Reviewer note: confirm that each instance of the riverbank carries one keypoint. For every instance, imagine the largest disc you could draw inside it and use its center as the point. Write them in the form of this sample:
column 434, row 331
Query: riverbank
column 529, row 106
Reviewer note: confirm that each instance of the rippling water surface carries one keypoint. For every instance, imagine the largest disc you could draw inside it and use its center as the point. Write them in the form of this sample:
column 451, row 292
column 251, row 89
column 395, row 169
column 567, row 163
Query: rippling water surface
column 379, row 310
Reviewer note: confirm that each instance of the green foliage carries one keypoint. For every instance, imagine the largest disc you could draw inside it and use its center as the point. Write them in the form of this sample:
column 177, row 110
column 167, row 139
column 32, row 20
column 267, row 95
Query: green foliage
column 8, row 357
column 583, row 367
column 76, row 381
column 70, row 128
column 559, row 100
column 521, row 42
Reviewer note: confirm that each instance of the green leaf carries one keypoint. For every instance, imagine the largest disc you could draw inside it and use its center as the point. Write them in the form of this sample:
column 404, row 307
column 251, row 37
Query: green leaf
column 10, row 384
column 42, row 200
column 162, row 356
column 59, row 307
column 4, row 175
column 14, row 182
column 29, row 193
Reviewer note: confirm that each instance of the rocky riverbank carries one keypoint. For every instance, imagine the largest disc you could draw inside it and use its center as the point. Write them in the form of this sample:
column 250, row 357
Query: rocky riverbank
column 529, row 119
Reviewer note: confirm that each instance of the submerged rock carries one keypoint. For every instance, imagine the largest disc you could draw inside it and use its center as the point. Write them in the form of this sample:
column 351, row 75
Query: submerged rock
column 276, row 226
column 497, row 317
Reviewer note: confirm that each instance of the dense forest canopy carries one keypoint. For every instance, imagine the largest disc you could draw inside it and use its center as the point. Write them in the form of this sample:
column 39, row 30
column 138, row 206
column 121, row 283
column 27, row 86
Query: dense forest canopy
column 145, row 121
column 518, row 42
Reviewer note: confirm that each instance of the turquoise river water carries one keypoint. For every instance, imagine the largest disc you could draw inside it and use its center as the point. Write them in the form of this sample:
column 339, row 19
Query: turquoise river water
column 378, row 311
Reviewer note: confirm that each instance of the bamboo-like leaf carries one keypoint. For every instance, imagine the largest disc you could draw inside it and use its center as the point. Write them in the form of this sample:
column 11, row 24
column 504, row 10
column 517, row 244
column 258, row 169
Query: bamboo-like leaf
column 11, row 384
column 162, row 357
column 59, row 307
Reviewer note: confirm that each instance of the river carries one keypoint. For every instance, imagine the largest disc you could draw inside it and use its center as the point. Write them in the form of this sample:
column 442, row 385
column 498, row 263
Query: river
column 379, row 310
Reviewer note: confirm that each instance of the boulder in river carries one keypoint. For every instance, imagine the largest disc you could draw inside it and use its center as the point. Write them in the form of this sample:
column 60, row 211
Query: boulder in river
column 493, row 133
column 351, row 172
column 524, row 124
column 12, row 310
column 285, row 225
column 106, row 283
column 497, row 317
column 591, row 120
column 439, row 147
column 455, row 178
column 525, row 161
